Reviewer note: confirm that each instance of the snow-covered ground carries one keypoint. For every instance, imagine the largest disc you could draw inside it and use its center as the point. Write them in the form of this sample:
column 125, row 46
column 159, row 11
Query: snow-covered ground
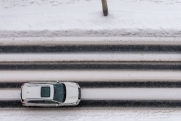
column 91, row 114
column 65, row 18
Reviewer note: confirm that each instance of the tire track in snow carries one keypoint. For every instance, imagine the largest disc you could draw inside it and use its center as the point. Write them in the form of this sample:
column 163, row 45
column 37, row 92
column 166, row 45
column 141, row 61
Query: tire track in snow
column 91, row 48
column 102, row 103
column 92, row 66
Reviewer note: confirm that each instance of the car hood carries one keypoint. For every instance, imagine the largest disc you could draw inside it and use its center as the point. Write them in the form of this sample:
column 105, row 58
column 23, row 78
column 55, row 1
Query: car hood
column 71, row 93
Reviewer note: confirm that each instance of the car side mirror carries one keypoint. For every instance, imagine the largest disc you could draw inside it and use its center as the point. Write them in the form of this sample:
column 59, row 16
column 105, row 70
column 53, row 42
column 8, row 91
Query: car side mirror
column 57, row 81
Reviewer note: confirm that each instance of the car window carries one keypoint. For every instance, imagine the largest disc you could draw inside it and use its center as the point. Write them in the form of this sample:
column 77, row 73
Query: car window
column 45, row 91
column 59, row 92
column 42, row 101
column 36, row 101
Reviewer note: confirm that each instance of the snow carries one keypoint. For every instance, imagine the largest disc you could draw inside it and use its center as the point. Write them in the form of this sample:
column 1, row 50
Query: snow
column 130, row 94
column 83, row 18
column 90, row 57
column 112, row 94
column 90, row 75
column 91, row 114
column 49, row 41
column 10, row 94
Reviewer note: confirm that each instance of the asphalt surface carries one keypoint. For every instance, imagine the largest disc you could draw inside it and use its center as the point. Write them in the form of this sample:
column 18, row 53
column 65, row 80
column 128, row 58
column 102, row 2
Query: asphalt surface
column 102, row 103
column 92, row 66
column 112, row 84
column 90, row 48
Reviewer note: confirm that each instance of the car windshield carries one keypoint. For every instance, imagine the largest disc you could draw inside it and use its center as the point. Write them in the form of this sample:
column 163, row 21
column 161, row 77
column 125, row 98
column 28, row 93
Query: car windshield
column 59, row 92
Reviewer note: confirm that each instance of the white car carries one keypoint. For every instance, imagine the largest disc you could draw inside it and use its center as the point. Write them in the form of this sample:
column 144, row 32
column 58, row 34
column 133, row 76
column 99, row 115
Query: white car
column 50, row 94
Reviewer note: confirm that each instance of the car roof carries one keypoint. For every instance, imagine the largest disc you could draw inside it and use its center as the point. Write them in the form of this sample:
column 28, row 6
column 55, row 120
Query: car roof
column 33, row 91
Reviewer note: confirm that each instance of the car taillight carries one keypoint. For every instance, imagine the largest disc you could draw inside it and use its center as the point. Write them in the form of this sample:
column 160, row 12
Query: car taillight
column 22, row 101
column 22, row 84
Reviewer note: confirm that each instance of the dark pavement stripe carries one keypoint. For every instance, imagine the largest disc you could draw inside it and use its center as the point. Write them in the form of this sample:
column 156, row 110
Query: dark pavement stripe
column 118, row 103
column 102, row 103
column 10, row 84
column 111, row 84
column 89, row 48
column 12, row 104
column 91, row 66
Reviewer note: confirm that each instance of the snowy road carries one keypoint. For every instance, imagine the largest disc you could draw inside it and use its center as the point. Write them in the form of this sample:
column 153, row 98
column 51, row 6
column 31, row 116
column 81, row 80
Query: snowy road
column 10, row 94
column 143, row 94
column 131, row 94
column 49, row 41
column 109, row 79
column 90, row 75
column 89, row 57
